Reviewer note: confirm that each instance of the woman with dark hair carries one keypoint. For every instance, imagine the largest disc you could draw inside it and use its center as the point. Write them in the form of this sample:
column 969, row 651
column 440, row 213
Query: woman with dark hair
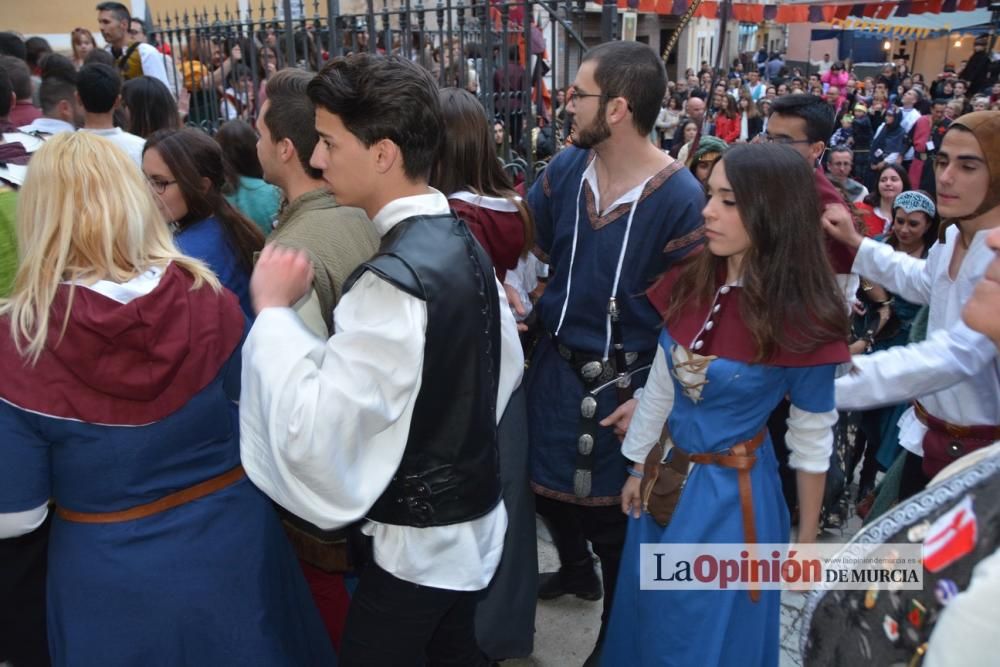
column 150, row 106
column 480, row 192
column 246, row 188
column 727, row 121
column 876, row 208
column 186, row 171
column 886, row 321
column 751, row 319
column 751, row 124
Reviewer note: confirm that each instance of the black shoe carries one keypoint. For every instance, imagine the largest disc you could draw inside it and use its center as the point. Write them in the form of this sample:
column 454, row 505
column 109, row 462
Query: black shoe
column 578, row 579
column 594, row 660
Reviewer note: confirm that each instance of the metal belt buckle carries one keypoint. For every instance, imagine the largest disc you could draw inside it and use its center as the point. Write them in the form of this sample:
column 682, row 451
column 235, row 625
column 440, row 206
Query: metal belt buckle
column 585, row 444
column 564, row 352
column 591, row 370
column 588, row 407
column 630, row 358
column 582, row 483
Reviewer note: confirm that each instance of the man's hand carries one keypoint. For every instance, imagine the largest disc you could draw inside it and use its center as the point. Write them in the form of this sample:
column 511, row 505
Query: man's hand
column 280, row 278
column 839, row 224
column 621, row 417
column 514, row 300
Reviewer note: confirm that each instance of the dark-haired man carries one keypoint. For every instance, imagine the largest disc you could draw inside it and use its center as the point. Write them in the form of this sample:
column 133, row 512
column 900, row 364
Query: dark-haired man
column 61, row 111
column 611, row 214
column 133, row 58
column 98, row 90
column 394, row 418
column 805, row 123
column 337, row 238
column 7, row 101
column 24, row 111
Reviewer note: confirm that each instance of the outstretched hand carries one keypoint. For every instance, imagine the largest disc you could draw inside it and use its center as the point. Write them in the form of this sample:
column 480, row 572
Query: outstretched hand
column 839, row 224
column 281, row 277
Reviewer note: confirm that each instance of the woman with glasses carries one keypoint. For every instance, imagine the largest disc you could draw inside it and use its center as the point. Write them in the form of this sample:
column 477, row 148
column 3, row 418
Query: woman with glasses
column 734, row 345
column 121, row 359
column 187, row 173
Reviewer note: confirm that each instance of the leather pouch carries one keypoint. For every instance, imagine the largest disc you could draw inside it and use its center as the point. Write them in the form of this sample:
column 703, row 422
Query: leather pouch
column 662, row 482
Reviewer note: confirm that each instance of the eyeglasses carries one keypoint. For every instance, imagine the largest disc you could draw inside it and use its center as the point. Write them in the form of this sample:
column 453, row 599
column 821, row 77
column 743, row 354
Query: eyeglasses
column 574, row 93
column 784, row 141
column 159, row 186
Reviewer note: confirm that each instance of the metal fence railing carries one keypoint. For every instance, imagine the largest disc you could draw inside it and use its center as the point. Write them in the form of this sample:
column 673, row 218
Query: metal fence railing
column 497, row 50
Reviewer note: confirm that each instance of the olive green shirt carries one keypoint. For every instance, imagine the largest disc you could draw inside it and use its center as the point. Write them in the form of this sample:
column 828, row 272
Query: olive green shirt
column 337, row 238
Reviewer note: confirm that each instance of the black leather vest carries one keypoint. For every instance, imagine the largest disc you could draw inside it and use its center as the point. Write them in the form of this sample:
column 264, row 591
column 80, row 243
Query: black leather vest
column 450, row 471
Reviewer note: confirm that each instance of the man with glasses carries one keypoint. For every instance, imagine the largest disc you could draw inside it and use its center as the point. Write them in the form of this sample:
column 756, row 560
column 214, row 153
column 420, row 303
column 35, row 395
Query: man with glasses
column 612, row 212
column 805, row 123
column 133, row 58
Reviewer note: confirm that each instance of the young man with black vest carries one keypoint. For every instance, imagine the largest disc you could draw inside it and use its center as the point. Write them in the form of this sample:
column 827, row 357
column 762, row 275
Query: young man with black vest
column 393, row 419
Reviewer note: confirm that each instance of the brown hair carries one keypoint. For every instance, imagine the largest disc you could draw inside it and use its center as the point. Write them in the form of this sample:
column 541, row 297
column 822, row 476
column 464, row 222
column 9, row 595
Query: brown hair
column 291, row 114
column 787, row 283
column 468, row 158
column 192, row 155
column 76, row 36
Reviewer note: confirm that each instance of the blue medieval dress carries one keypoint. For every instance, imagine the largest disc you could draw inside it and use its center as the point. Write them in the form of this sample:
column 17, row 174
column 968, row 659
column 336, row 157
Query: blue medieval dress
column 597, row 250
column 136, row 402
column 721, row 397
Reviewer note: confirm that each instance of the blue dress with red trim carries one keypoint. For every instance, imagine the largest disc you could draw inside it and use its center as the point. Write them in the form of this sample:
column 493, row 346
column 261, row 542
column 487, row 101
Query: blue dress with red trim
column 730, row 403
column 137, row 401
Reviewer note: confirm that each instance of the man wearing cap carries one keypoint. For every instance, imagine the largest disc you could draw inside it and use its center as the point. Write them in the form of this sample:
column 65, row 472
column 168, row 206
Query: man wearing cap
column 954, row 374
column 863, row 133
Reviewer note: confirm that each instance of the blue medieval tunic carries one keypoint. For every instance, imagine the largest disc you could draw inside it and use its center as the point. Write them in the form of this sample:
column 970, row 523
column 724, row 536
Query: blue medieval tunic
column 136, row 402
column 726, row 399
column 662, row 220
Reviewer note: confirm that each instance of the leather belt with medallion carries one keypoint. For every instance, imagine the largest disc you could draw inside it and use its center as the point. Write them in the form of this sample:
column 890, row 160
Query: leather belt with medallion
column 597, row 375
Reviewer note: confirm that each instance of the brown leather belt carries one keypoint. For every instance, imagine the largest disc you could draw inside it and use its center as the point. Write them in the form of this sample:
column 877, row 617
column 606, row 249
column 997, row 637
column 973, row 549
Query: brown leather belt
column 165, row 503
column 742, row 458
column 954, row 430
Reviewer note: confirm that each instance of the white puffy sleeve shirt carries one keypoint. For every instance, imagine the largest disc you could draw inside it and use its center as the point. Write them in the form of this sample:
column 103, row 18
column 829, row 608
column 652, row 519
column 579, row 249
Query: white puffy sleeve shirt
column 324, row 424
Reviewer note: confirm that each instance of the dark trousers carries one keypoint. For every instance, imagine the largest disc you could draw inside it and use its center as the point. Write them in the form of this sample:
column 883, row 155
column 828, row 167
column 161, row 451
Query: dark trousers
column 395, row 623
column 23, row 564
column 777, row 425
column 572, row 526
column 913, row 479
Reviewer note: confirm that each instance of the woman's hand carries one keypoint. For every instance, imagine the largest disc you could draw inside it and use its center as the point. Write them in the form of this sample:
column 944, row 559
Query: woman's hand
column 631, row 499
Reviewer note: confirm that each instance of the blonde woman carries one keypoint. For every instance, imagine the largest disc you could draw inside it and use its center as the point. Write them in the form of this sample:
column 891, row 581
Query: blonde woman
column 121, row 365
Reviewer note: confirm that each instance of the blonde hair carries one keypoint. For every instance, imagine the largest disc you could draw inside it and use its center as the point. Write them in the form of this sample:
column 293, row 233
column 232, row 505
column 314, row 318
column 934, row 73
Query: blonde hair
column 85, row 214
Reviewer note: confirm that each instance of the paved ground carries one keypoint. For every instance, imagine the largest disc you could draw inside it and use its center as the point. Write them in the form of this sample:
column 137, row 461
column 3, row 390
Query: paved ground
column 566, row 628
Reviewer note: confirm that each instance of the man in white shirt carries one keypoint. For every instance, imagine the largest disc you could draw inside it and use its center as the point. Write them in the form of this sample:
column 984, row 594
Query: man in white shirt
column 60, row 113
column 393, row 419
column 955, row 373
column 98, row 90
column 135, row 59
